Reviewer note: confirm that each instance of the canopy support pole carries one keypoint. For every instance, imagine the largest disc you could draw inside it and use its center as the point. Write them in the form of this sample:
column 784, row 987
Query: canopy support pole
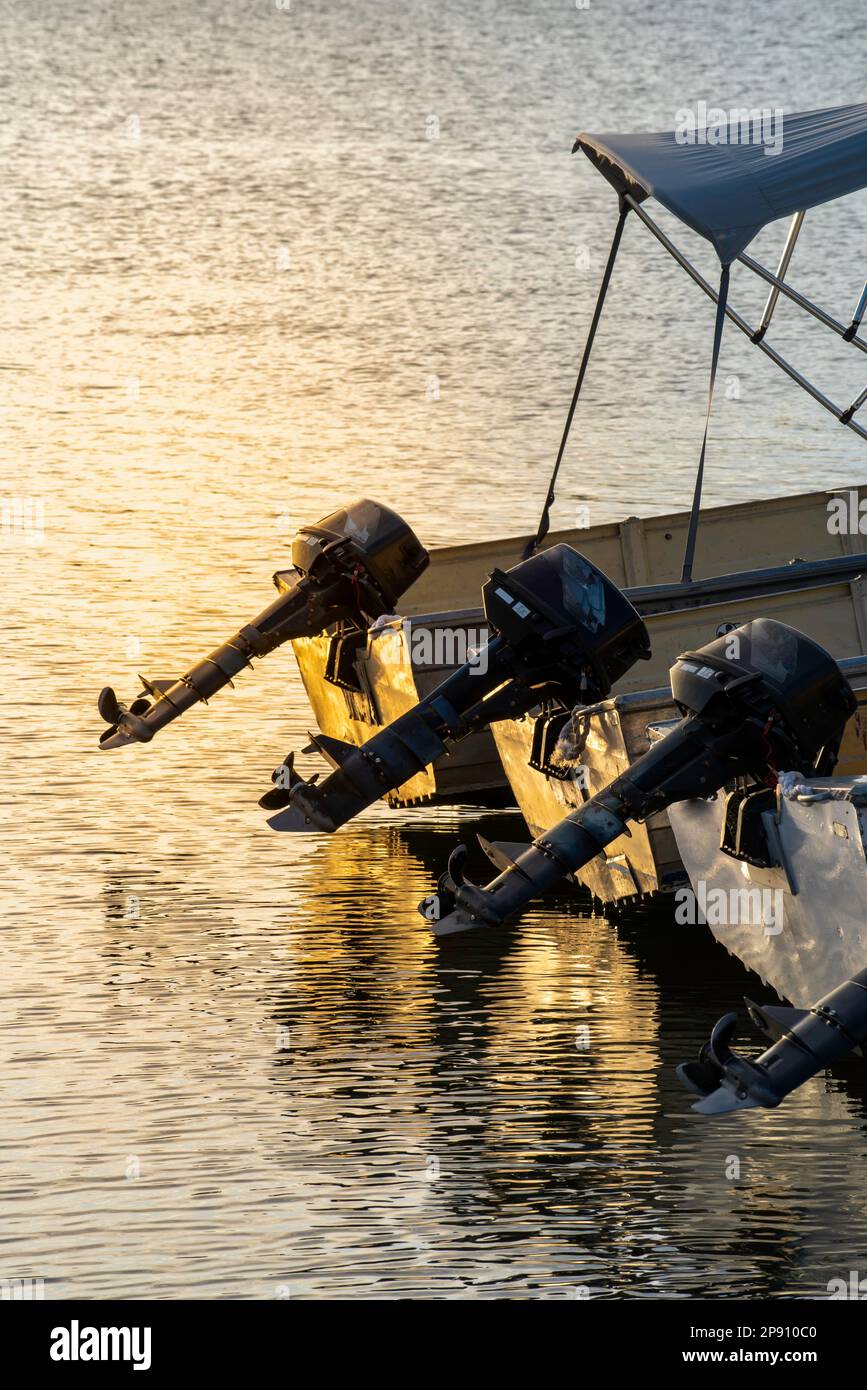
column 856, row 405
column 741, row 323
column 802, row 301
column 774, row 293
column 689, row 553
column 545, row 519
column 857, row 316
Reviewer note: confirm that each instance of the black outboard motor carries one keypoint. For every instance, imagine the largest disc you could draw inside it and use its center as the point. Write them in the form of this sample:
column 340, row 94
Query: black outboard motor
column 782, row 703
column 350, row 568
column 562, row 632
column 807, row 1041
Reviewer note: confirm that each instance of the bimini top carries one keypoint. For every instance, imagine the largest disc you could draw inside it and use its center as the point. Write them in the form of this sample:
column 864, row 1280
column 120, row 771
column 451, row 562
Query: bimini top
column 757, row 172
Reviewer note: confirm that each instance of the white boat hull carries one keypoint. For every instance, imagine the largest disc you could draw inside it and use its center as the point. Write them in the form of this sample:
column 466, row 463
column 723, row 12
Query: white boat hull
column 811, row 932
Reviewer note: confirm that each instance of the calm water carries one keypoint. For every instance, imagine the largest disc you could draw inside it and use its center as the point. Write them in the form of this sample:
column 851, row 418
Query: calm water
column 243, row 282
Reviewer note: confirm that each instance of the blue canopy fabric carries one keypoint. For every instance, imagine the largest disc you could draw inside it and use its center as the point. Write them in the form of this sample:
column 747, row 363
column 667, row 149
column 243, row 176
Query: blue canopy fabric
column 728, row 191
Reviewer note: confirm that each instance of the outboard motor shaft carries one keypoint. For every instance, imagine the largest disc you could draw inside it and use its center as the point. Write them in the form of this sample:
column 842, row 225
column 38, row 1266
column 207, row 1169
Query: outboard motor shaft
column 760, row 698
column 807, row 1041
column 351, row 567
column 562, row 632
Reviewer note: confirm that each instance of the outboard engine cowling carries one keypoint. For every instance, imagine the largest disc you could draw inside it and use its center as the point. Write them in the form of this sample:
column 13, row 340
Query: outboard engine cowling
column 351, row 567
column 762, row 697
column 562, row 631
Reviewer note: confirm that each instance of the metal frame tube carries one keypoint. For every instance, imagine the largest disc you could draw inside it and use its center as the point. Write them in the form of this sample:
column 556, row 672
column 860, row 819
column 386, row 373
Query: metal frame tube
column 782, row 268
column 741, row 322
column 545, row 518
column 858, row 315
column 856, row 405
column 802, row 301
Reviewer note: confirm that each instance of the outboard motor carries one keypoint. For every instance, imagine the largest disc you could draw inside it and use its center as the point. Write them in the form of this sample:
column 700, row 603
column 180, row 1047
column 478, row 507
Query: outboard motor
column 562, row 632
column 350, row 568
column 807, row 1041
column 759, row 698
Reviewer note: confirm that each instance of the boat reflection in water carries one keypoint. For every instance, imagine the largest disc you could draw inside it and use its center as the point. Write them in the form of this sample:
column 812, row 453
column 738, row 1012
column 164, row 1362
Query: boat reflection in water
column 495, row 1118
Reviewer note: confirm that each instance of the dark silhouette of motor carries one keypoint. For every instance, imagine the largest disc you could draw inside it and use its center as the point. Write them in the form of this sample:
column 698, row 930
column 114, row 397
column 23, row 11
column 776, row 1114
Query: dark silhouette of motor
column 762, row 697
column 350, row 568
column 563, row 634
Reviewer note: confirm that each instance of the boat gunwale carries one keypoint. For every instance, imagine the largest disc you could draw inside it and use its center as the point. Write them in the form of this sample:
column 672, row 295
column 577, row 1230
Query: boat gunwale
column 632, row 701
column 656, row 519
column 838, row 569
